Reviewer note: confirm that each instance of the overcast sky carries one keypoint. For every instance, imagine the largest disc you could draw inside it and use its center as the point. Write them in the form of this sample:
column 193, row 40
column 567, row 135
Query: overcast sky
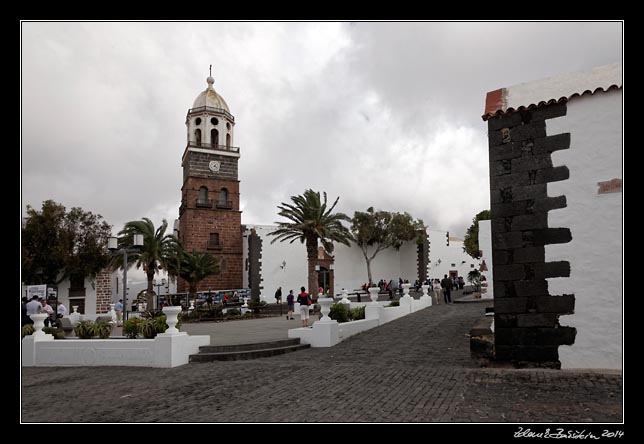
column 381, row 114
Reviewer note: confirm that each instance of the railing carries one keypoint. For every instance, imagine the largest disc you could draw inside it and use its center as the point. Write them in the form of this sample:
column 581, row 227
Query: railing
column 232, row 149
column 204, row 203
column 225, row 204
column 212, row 110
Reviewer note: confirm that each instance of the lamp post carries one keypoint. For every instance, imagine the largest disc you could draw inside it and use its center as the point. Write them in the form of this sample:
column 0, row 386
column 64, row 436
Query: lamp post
column 112, row 245
column 162, row 284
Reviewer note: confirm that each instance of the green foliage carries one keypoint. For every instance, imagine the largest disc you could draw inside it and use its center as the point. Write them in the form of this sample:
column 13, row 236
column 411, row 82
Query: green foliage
column 27, row 330
column 256, row 306
column 357, row 313
column 148, row 328
column 58, row 333
column 132, row 327
column 379, row 230
column 195, row 267
column 84, row 329
column 471, row 241
column 233, row 312
column 103, row 329
column 339, row 312
column 311, row 220
column 156, row 253
column 474, row 277
column 57, row 244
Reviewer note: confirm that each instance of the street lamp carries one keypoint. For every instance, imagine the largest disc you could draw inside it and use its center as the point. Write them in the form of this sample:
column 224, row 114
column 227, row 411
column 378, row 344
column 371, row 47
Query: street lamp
column 112, row 245
column 162, row 284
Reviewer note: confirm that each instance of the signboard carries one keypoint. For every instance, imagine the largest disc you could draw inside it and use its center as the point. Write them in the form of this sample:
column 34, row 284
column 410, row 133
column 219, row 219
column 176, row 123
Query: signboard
column 36, row 290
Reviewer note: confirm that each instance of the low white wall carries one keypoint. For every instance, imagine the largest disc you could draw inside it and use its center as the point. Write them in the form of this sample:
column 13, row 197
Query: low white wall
column 485, row 245
column 596, row 224
column 348, row 329
column 166, row 350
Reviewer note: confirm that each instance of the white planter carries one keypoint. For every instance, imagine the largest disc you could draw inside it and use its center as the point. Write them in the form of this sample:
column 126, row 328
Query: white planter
column 75, row 307
column 426, row 297
column 373, row 293
column 325, row 307
column 192, row 305
column 172, row 314
column 345, row 297
column 39, row 323
column 112, row 314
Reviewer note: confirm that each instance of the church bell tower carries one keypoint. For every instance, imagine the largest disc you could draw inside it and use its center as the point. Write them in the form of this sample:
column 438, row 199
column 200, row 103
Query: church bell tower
column 209, row 215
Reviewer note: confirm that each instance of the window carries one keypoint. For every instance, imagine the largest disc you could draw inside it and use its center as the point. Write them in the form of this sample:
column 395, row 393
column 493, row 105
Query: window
column 228, row 126
column 471, row 265
column 198, row 137
column 202, row 198
column 198, row 121
column 214, row 121
column 453, row 265
column 213, row 241
column 223, row 201
column 228, row 140
column 214, row 137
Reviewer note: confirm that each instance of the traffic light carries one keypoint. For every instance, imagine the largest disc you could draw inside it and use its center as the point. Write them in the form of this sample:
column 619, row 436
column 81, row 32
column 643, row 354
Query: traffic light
column 447, row 236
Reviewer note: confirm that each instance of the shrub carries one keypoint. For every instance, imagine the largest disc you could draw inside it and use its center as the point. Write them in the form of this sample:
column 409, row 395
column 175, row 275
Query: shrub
column 103, row 329
column 339, row 312
column 357, row 313
column 84, row 330
column 148, row 328
column 233, row 312
column 28, row 330
column 131, row 328
column 58, row 333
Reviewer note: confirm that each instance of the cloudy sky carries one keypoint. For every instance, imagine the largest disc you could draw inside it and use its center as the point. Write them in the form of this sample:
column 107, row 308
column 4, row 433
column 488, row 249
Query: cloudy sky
column 381, row 114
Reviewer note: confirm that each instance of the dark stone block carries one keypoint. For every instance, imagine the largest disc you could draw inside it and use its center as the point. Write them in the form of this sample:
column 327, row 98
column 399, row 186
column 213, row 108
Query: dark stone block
column 495, row 138
column 508, row 209
column 528, row 131
column 529, row 254
column 504, row 289
column 530, row 222
column 509, row 272
column 537, row 191
column 551, row 174
column 504, row 241
column 550, row 203
column 505, row 320
column 552, row 143
column 537, row 320
column 504, row 121
column 510, row 305
column 531, row 288
column 506, row 151
column 501, row 224
column 549, row 111
column 551, row 236
column 530, row 163
column 509, row 181
column 556, row 269
column 564, row 304
column 535, row 336
column 501, row 167
column 499, row 257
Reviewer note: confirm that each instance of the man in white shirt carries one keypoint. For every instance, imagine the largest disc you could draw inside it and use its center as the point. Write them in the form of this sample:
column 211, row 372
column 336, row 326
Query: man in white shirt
column 33, row 306
column 46, row 308
column 61, row 310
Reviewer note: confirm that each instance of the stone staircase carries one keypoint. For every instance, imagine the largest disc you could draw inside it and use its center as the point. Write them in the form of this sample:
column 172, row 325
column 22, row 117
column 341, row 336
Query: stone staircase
column 210, row 353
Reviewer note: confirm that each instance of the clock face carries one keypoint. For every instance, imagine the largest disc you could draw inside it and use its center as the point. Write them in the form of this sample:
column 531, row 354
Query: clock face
column 214, row 165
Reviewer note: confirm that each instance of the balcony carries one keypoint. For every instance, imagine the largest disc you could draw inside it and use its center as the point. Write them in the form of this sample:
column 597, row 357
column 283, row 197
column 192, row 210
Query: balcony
column 204, row 203
column 225, row 204
column 210, row 146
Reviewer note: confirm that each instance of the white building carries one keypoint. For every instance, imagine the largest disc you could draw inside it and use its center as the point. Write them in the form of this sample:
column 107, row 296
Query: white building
column 556, row 156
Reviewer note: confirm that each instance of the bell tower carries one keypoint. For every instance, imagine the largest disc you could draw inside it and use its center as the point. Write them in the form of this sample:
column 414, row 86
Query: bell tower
column 209, row 215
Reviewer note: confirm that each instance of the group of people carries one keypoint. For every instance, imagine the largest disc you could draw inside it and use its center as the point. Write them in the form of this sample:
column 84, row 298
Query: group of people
column 304, row 299
column 38, row 305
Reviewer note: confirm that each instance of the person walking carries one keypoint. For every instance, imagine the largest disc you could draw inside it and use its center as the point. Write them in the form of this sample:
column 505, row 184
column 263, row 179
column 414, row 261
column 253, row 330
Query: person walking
column 304, row 299
column 118, row 308
column 278, row 295
column 290, row 300
column 437, row 291
column 446, row 283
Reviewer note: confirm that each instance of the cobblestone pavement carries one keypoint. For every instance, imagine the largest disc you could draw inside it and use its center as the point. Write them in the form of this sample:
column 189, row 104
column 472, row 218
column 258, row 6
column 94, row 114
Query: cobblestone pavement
column 414, row 369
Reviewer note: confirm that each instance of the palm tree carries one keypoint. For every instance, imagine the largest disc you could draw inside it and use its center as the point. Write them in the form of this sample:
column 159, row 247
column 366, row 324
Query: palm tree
column 310, row 220
column 154, row 254
column 195, row 267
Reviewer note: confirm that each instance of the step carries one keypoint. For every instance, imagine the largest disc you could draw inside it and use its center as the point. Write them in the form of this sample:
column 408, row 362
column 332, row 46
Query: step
column 248, row 354
column 247, row 347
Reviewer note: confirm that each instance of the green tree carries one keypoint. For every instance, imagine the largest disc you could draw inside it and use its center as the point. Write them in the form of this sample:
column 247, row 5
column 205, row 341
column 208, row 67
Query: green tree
column 57, row 245
column 310, row 221
column 374, row 231
column 471, row 241
column 474, row 277
column 155, row 253
column 195, row 267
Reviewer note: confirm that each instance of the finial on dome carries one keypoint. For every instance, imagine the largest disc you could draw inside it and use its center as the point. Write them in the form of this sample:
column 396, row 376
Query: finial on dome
column 210, row 79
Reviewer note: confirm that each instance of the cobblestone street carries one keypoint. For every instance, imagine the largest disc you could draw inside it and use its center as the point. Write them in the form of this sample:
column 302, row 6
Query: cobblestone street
column 414, row 369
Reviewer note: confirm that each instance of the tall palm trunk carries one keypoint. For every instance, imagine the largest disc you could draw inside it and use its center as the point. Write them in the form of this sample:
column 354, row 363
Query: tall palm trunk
column 312, row 255
column 149, row 300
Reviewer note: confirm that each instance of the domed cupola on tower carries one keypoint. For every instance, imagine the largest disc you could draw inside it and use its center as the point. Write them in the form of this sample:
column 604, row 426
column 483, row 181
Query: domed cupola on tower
column 209, row 122
column 209, row 215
